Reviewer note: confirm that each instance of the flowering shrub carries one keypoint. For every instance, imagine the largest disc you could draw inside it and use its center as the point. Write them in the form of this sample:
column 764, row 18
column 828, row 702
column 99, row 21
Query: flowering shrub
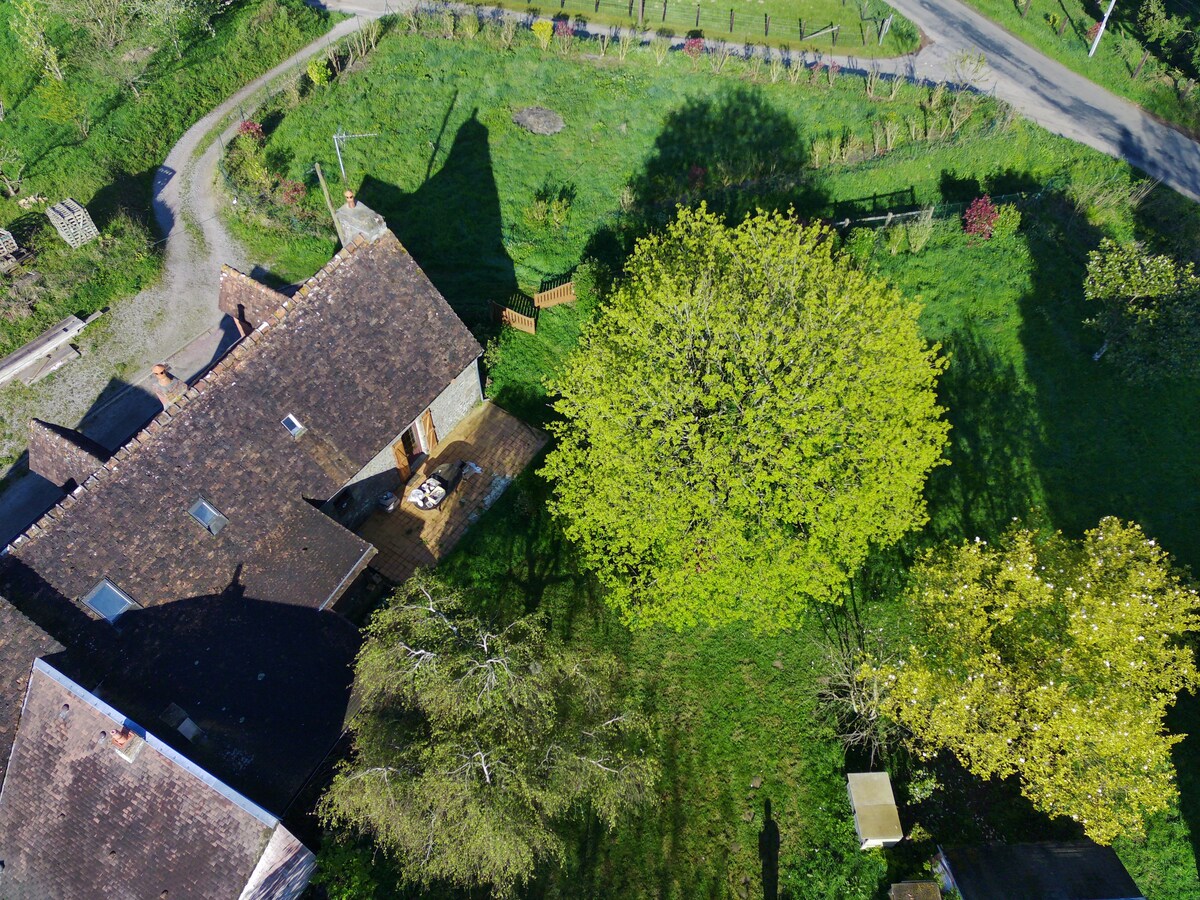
column 562, row 28
column 288, row 191
column 543, row 31
column 694, row 47
column 980, row 218
column 1093, row 31
column 251, row 130
column 833, row 70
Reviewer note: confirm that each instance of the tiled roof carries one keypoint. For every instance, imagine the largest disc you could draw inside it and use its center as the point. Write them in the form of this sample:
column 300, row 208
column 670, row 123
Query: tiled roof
column 78, row 819
column 21, row 642
column 360, row 351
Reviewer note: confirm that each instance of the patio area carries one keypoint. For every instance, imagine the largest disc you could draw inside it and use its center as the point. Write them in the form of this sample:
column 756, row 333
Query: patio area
column 407, row 538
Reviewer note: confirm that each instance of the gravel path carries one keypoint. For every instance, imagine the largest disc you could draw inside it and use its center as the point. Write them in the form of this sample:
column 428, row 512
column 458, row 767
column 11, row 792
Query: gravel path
column 176, row 320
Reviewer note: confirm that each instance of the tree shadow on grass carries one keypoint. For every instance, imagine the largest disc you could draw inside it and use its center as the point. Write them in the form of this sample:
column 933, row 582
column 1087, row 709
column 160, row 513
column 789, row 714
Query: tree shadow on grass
column 452, row 225
column 732, row 150
column 993, row 437
column 1110, row 447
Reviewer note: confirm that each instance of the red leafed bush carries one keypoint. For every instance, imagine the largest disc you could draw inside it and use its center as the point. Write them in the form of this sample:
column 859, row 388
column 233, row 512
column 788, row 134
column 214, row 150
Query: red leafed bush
column 251, row 130
column 693, row 47
column 562, row 28
column 1093, row 31
column 980, row 218
column 290, row 192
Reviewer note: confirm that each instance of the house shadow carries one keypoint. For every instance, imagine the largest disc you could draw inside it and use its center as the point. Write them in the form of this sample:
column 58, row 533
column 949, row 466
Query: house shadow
column 732, row 150
column 768, row 853
column 265, row 685
column 452, row 225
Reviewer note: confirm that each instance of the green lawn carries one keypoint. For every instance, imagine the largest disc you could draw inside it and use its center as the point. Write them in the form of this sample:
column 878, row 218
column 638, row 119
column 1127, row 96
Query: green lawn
column 1172, row 98
column 1040, row 431
column 105, row 153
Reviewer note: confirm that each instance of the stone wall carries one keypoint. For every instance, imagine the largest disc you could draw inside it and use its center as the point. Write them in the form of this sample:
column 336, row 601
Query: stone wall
column 458, row 399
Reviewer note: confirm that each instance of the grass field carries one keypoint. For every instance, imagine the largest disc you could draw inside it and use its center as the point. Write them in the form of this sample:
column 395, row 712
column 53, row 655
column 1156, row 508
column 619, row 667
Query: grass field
column 1165, row 95
column 102, row 143
column 1040, row 431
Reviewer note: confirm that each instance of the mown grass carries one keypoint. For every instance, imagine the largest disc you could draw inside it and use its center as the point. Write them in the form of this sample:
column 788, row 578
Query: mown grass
column 1040, row 431
column 110, row 168
column 1157, row 88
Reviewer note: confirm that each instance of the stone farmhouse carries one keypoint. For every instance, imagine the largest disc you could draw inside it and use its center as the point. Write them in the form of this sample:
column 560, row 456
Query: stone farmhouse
column 191, row 578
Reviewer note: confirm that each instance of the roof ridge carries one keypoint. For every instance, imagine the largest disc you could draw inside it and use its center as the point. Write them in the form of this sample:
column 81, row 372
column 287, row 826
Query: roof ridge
column 246, row 348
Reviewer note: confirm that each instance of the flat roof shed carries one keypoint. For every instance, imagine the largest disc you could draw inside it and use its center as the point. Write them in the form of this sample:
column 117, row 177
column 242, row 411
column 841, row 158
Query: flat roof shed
column 875, row 816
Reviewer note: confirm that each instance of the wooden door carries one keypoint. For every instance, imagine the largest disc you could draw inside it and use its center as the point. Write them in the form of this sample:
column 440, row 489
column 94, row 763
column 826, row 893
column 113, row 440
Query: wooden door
column 401, row 455
column 428, row 431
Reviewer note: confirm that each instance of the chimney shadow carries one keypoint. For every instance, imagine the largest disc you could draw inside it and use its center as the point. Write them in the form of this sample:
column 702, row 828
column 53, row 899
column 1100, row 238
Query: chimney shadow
column 452, row 224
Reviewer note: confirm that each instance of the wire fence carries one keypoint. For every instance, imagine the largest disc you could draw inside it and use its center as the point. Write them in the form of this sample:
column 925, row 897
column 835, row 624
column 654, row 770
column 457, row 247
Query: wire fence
column 858, row 29
column 904, row 211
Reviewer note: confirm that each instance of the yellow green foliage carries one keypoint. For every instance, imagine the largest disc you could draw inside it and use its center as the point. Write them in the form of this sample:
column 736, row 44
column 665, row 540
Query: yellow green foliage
column 746, row 417
column 1055, row 661
column 543, row 30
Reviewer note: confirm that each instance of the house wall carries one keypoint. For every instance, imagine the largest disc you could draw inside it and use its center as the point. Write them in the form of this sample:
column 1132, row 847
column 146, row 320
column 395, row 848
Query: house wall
column 458, row 399
column 359, row 495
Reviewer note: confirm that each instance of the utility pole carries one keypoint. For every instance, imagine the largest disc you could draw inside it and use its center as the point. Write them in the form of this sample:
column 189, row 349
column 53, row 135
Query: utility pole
column 1103, row 25
column 337, row 226
column 339, row 138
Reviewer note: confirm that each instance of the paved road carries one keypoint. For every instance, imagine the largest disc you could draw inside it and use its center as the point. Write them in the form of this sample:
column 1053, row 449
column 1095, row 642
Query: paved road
column 176, row 320
column 1049, row 93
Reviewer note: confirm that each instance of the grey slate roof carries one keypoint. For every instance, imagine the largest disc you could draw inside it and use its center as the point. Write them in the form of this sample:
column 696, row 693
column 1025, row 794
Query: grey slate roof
column 1050, row 870
column 80, row 820
column 356, row 355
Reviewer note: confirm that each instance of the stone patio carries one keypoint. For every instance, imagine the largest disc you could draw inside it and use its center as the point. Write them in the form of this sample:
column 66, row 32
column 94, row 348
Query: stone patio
column 407, row 538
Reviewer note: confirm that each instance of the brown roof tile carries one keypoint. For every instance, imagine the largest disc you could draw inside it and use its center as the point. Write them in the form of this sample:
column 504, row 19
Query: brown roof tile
column 80, row 820
column 361, row 352
column 21, row 642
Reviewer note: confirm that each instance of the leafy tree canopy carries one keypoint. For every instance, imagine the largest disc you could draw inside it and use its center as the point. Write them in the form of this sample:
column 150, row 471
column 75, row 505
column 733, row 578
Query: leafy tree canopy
column 1148, row 310
column 745, row 417
column 1054, row 660
column 472, row 743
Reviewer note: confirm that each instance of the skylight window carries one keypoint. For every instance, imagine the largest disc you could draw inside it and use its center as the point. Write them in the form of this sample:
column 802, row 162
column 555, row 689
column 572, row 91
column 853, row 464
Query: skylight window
column 208, row 516
column 108, row 600
column 292, row 424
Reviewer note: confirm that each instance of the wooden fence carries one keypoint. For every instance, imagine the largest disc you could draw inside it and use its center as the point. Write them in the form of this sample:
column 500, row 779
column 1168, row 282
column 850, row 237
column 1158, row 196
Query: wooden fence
column 554, row 294
column 519, row 311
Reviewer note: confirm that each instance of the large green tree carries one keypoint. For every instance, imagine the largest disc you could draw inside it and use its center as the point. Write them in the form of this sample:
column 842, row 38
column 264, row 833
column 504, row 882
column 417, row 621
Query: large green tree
column 1053, row 660
column 1147, row 307
column 472, row 744
column 746, row 416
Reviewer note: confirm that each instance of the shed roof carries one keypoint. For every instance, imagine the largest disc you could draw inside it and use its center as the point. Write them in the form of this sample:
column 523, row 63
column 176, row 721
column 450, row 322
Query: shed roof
column 1050, row 870
column 80, row 819
column 361, row 350
column 874, row 805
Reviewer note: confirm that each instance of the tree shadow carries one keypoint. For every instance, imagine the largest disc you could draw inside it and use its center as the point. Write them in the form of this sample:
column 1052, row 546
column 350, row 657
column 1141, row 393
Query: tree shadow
column 1110, row 447
column 452, row 225
column 732, row 150
column 993, row 437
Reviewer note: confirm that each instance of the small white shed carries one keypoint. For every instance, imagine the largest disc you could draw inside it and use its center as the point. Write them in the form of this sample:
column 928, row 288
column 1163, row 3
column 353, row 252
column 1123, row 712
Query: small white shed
column 875, row 816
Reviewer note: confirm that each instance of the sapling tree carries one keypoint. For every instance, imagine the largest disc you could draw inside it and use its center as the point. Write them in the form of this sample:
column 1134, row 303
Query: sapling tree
column 12, row 167
column 29, row 23
column 1054, row 661
column 748, row 415
column 473, row 742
